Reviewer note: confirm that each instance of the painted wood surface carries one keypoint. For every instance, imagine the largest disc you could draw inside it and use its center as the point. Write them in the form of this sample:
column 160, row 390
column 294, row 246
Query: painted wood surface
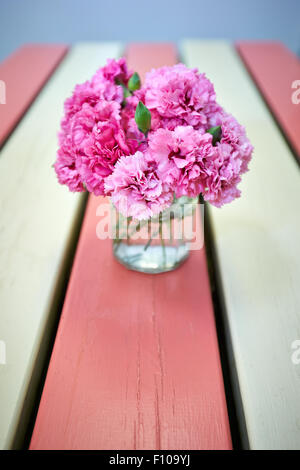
column 257, row 242
column 22, row 76
column 276, row 71
column 135, row 363
column 144, row 54
column 37, row 227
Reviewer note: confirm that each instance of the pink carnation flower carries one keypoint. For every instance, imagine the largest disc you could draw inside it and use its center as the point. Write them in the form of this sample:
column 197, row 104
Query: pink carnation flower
column 113, row 71
column 101, row 151
column 95, row 141
column 94, row 108
column 86, row 121
column 108, row 79
column 179, row 154
column 223, row 173
column 102, row 86
column 136, row 188
column 180, row 96
column 65, row 167
column 235, row 135
column 191, row 165
column 83, row 93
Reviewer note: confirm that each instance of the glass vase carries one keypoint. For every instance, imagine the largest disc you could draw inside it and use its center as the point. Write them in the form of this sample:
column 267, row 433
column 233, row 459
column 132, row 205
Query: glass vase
column 158, row 244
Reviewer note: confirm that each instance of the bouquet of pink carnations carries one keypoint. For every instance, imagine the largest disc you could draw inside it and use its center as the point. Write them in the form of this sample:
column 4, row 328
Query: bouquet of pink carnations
column 143, row 145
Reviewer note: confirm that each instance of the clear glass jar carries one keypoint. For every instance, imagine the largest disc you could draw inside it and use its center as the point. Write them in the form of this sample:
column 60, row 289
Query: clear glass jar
column 158, row 244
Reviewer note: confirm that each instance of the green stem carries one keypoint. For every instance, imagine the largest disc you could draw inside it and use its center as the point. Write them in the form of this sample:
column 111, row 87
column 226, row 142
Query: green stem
column 162, row 238
column 150, row 240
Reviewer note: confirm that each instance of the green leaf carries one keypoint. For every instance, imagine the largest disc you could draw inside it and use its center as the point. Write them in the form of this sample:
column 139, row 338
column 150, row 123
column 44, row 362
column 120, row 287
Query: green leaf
column 143, row 118
column 216, row 132
column 126, row 93
column 134, row 82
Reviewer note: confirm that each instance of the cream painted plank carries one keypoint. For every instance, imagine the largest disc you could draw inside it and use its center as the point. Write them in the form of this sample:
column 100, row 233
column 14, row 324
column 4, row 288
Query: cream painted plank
column 257, row 241
column 38, row 217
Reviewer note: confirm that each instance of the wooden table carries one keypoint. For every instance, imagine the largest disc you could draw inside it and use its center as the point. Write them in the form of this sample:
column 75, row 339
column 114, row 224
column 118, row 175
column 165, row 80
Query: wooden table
column 133, row 361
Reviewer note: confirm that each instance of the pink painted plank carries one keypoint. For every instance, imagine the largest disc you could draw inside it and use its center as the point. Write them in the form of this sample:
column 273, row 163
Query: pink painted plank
column 24, row 74
column 274, row 68
column 135, row 363
column 149, row 55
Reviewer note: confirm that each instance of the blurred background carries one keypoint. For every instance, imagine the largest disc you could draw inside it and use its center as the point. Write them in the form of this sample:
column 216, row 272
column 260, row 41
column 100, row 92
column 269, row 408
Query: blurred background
column 70, row 21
